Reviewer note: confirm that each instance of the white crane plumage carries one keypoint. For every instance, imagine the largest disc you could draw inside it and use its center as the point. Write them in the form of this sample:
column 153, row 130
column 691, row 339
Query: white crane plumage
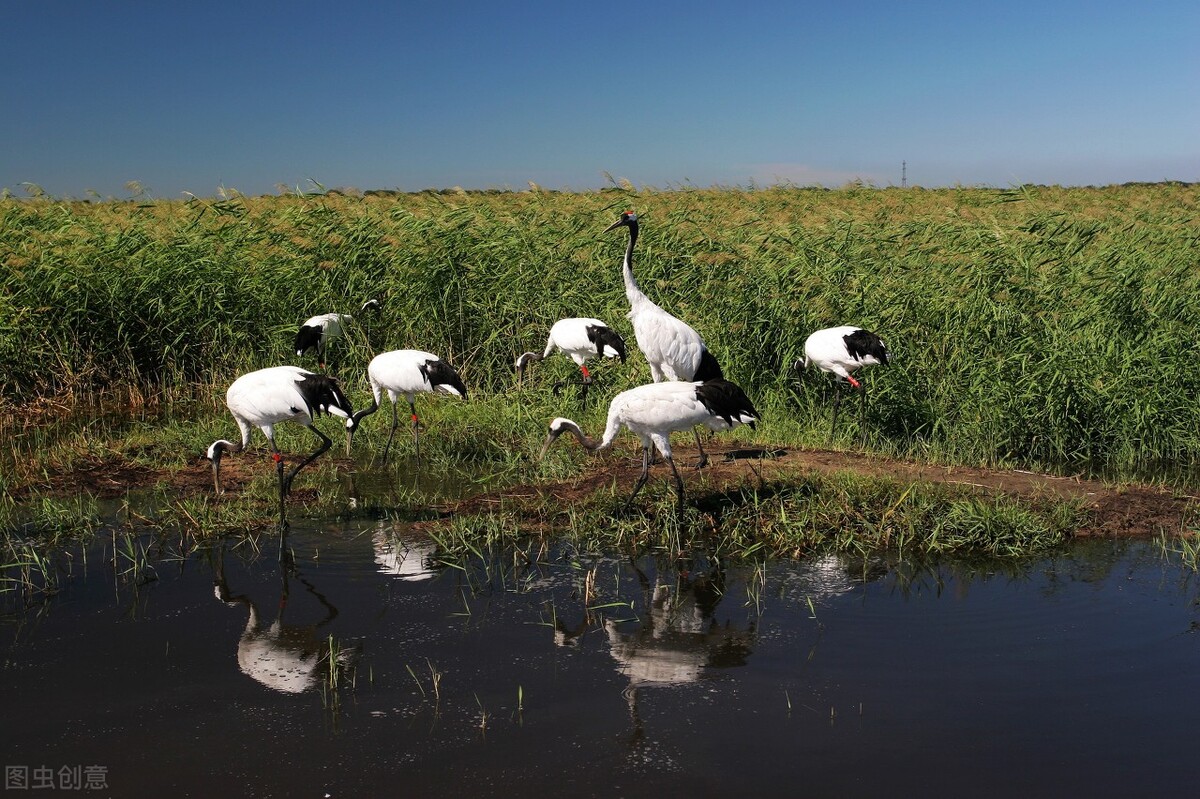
column 318, row 332
column 405, row 373
column 674, row 350
column 267, row 397
column 654, row 411
column 581, row 339
column 842, row 351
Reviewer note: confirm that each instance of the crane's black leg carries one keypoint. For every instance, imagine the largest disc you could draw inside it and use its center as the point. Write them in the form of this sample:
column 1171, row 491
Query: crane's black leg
column 641, row 478
column 678, row 481
column 837, row 398
column 862, row 423
column 416, row 425
column 391, row 433
column 283, row 489
column 703, row 455
column 286, row 486
column 326, row 443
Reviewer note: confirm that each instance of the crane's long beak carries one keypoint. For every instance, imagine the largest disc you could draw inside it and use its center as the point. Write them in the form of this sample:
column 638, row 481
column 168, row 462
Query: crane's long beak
column 216, row 467
column 550, row 439
column 615, row 225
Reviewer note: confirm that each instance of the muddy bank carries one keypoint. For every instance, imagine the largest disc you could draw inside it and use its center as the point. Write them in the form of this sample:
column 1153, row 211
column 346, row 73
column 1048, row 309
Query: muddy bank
column 1127, row 510
column 1124, row 510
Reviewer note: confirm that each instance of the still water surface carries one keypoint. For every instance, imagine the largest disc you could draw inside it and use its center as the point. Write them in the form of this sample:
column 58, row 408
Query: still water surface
column 1069, row 675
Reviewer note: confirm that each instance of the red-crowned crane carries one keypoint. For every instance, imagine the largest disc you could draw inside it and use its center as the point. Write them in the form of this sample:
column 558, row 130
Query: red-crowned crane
column 405, row 373
column 674, row 350
column 654, row 411
column 580, row 338
column 842, row 351
column 318, row 332
column 267, row 397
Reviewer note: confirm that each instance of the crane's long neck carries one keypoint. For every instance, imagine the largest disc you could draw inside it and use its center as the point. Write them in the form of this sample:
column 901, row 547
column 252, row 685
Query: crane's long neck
column 560, row 426
column 219, row 448
column 632, row 292
column 586, row 441
column 611, row 428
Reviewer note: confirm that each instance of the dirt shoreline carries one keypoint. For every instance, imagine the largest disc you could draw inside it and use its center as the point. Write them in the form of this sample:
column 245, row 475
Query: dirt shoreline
column 1114, row 510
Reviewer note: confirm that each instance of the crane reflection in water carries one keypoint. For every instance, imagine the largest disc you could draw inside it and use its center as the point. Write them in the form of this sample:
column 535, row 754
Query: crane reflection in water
column 283, row 656
column 676, row 639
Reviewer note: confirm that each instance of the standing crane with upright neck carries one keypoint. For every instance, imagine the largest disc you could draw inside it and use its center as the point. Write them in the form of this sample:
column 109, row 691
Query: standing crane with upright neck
column 674, row 350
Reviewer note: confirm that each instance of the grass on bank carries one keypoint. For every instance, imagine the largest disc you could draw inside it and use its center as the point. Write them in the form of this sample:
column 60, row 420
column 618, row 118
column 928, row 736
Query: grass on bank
column 789, row 516
column 1031, row 326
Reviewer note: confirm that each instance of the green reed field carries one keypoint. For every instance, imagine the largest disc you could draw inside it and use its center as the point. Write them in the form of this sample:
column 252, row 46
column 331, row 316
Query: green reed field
column 1036, row 327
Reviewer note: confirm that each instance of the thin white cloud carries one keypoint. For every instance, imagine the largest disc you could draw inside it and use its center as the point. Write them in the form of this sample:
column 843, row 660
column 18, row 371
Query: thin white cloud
column 804, row 175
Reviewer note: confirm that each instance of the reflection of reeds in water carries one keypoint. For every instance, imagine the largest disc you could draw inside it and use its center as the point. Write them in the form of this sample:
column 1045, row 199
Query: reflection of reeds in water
column 34, row 535
column 27, row 570
column 1185, row 547
column 337, row 664
column 131, row 560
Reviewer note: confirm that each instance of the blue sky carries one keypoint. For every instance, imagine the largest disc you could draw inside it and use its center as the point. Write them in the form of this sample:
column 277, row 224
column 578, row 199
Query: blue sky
column 249, row 96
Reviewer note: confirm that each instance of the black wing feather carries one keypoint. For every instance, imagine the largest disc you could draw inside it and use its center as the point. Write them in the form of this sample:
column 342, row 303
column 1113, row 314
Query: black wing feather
column 308, row 338
column 440, row 373
column 600, row 336
column 862, row 343
column 726, row 401
column 321, row 392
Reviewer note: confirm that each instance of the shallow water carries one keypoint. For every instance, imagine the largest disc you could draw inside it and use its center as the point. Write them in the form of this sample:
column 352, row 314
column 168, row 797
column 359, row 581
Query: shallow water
column 822, row 677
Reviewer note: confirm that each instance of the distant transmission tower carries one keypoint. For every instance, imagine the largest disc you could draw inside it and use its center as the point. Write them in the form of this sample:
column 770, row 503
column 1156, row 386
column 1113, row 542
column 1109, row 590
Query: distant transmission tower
column 904, row 174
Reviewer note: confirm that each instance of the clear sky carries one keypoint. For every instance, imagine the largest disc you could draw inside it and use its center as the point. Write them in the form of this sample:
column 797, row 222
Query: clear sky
column 251, row 96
